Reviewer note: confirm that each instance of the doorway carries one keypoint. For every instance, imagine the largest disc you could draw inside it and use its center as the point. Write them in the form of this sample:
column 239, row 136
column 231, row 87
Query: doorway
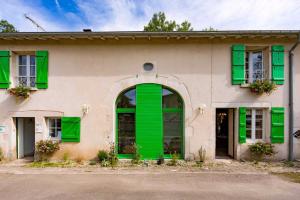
column 224, row 133
column 25, row 136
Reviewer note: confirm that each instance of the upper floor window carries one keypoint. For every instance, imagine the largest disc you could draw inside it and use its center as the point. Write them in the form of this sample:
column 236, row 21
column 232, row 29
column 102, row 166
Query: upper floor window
column 255, row 124
column 254, row 66
column 26, row 70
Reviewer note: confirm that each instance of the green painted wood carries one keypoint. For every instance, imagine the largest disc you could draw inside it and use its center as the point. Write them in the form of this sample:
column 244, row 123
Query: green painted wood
column 70, row 129
column 238, row 64
column 42, row 69
column 242, row 125
column 278, row 64
column 277, row 125
column 149, row 122
column 4, row 69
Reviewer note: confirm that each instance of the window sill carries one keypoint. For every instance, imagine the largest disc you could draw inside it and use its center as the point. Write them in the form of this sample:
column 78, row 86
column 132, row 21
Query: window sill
column 249, row 141
column 246, row 85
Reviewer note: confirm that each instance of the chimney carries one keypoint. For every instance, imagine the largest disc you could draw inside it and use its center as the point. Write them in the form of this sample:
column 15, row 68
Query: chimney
column 87, row 30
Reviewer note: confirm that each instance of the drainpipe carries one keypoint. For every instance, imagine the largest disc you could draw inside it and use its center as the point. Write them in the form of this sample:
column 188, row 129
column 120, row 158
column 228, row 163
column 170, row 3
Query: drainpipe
column 291, row 100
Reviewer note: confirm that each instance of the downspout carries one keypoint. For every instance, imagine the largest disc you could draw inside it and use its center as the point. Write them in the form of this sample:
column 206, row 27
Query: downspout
column 291, row 99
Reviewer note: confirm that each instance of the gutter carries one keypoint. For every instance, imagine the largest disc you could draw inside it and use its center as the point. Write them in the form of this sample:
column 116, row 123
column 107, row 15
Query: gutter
column 291, row 99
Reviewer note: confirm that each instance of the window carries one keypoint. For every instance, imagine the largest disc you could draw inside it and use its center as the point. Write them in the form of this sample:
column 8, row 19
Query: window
column 172, row 121
column 255, row 124
column 254, row 66
column 54, row 125
column 126, row 104
column 26, row 70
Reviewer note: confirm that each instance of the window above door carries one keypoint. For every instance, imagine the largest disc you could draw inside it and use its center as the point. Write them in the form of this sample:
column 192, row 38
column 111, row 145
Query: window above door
column 26, row 71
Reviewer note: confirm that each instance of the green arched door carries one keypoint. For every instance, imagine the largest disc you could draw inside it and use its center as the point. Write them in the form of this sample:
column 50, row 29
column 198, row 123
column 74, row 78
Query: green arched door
column 150, row 118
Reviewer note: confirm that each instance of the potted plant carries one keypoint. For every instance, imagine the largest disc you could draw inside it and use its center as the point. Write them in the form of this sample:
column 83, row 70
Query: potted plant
column 20, row 91
column 262, row 86
column 260, row 150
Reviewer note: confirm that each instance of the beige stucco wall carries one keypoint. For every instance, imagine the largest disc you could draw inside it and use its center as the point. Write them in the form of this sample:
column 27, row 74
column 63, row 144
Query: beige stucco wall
column 94, row 73
column 297, row 100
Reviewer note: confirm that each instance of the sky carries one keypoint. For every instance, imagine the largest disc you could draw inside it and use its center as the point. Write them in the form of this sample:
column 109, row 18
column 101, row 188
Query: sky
column 132, row 15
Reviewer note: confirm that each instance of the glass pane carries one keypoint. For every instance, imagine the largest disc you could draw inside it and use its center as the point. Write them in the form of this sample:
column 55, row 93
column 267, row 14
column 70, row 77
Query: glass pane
column 32, row 60
column 53, row 132
column 22, row 71
column 172, row 133
column 127, row 99
column 22, row 60
column 32, row 70
column 171, row 99
column 23, row 81
column 126, row 133
column 259, row 124
column 58, row 123
column 248, row 123
column 32, row 81
column 257, row 66
column 52, row 123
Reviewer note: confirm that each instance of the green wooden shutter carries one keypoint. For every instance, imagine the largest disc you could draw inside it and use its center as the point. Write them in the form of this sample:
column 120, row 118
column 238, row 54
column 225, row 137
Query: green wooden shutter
column 278, row 64
column 4, row 69
column 242, row 125
column 70, row 129
column 277, row 125
column 42, row 69
column 238, row 64
column 149, row 126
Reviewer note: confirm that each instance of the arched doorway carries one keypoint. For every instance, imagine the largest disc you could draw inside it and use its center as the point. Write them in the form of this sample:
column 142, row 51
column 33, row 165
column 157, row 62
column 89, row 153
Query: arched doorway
column 150, row 117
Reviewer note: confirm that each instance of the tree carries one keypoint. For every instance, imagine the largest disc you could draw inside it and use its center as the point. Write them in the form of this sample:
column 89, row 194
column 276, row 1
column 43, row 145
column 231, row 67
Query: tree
column 6, row 27
column 158, row 23
column 209, row 29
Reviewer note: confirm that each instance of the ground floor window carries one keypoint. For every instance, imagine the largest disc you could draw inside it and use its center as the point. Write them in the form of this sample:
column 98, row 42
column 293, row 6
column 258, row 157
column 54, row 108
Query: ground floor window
column 54, row 125
column 126, row 133
column 172, row 132
column 255, row 124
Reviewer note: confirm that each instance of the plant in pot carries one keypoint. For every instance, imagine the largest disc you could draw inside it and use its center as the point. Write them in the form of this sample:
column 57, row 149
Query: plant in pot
column 161, row 160
column 261, row 150
column 262, row 86
column 20, row 92
column 202, row 156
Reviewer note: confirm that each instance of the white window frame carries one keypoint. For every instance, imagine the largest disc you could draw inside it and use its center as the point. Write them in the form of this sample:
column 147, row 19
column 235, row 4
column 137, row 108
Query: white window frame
column 253, row 125
column 56, row 127
column 27, row 70
column 250, row 65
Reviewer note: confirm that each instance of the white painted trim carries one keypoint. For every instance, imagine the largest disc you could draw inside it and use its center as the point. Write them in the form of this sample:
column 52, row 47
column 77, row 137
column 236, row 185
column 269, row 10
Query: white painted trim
column 190, row 112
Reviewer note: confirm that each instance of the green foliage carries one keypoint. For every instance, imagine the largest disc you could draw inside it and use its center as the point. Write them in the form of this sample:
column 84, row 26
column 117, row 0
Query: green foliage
column 6, row 27
column 112, row 156
column 66, row 156
column 202, row 154
column 174, row 159
column 136, row 156
column 102, row 155
column 158, row 23
column 46, row 148
column 262, row 86
column 1, row 154
column 260, row 150
column 20, row 91
column 209, row 29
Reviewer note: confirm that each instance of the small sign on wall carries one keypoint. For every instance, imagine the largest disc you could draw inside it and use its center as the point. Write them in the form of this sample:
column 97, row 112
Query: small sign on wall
column 2, row 129
column 38, row 128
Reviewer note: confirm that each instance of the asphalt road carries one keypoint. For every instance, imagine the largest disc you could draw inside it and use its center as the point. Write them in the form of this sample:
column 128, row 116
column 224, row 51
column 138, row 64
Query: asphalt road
column 146, row 186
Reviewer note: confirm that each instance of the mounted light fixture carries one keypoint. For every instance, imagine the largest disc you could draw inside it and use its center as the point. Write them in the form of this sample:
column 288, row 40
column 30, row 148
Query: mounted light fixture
column 201, row 108
column 85, row 109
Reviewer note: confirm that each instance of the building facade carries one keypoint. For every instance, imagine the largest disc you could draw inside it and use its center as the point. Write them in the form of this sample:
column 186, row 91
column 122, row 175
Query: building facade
column 158, row 92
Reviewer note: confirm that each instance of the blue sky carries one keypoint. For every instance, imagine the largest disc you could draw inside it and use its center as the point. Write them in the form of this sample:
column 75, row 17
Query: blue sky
column 126, row 15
